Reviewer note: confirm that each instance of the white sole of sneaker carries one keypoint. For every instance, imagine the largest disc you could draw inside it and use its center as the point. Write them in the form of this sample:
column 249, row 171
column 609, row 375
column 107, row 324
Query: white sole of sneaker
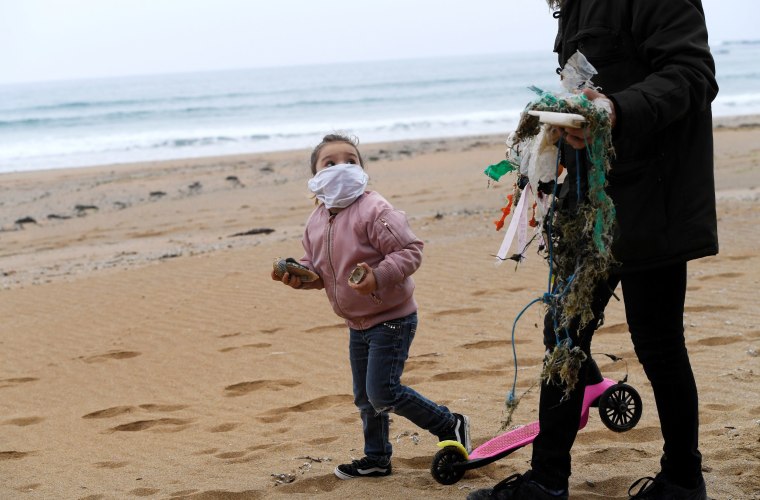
column 363, row 473
column 467, row 442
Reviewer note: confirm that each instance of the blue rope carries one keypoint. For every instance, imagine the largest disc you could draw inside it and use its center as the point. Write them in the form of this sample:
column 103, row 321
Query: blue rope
column 551, row 217
column 511, row 395
column 578, row 179
column 549, row 297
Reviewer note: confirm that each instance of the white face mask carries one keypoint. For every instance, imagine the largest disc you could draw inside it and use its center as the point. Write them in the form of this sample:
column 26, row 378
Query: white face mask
column 340, row 185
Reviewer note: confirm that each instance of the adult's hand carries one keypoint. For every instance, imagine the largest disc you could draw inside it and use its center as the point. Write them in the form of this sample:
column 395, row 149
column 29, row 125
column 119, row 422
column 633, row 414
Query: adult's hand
column 577, row 138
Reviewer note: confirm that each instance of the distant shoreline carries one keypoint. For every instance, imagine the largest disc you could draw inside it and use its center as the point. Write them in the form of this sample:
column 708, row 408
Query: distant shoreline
column 720, row 122
column 736, row 121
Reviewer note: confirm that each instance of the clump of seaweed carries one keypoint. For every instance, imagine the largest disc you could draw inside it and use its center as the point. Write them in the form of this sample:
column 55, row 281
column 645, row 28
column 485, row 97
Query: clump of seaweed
column 562, row 365
column 578, row 240
column 582, row 239
column 510, row 405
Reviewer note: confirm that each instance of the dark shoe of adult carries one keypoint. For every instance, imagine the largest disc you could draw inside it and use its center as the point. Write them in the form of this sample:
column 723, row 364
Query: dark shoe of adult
column 517, row 487
column 660, row 488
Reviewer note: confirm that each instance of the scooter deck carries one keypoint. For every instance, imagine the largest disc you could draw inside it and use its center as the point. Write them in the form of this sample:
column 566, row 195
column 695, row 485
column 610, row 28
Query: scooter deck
column 451, row 462
column 509, row 441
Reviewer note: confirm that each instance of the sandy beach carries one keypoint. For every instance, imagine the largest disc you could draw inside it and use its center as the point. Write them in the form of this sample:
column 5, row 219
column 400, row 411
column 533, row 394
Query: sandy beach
column 145, row 352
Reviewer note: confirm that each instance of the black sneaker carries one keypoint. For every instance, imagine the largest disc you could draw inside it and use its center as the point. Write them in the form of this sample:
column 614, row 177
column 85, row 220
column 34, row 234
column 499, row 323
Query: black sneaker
column 366, row 467
column 460, row 432
column 517, row 487
column 660, row 488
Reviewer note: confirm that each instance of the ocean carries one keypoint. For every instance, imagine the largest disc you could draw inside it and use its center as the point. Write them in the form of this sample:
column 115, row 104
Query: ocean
column 129, row 119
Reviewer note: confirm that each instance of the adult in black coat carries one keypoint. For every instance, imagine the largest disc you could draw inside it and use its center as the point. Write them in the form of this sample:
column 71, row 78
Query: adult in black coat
column 658, row 76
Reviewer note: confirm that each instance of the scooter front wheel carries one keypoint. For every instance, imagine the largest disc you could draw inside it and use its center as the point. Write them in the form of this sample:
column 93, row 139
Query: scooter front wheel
column 442, row 467
column 620, row 407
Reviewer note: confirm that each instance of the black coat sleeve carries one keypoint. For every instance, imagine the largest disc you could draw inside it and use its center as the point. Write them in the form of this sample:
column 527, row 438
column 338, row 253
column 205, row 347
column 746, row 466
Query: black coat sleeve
column 671, row 37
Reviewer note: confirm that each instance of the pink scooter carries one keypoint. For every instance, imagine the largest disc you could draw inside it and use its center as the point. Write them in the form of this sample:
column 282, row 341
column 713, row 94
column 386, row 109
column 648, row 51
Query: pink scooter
column 619, row 408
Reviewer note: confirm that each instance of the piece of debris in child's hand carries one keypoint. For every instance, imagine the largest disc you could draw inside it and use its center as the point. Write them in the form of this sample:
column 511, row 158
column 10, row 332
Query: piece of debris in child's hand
column 357, row 275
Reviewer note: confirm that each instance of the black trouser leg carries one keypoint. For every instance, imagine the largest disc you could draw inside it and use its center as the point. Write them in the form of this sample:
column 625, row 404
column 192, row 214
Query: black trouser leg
column 654, row 303
column 560, row 419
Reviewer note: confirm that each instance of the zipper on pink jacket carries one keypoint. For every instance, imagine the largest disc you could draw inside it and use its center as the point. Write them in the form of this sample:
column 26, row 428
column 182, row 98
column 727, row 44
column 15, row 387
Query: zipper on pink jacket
column 329, row 259
column 388, row 227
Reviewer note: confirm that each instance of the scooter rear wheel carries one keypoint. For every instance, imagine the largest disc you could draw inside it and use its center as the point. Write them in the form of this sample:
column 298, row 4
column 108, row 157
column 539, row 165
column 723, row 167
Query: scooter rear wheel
column 442, row 469
column 620, row 407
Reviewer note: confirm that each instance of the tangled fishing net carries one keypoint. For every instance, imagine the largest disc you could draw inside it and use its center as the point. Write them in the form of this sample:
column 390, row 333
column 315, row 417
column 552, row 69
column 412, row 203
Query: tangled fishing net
column 576, row 241
column 581, row 240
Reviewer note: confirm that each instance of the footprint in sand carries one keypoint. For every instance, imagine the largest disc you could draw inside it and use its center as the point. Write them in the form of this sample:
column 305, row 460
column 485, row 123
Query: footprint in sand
column 162, row 424
column 463, row 311
column 111, row 465
column 208, row 451
column 115, row 411
column 260, row 345
column 427, row 355
column 24, row 421
column 168, row 408
column 488, row 344
column 722, row 408
column 230, row 335
column 737, row 257
column 499, row 291
column 522, row 362
column 592, row 489
column 312, row 485
column 419, row 463
column 225, row 427
column 243, row 388
column 324, row 440
column 721, row 275
column 230, row 454
column 259, row 447
column 712, row 308
column 419, row 363
column 99, row 358
column 616, row 328
column 636, row 435
column 271, row 330
column 144, row 492
column 321, row 403
column 613, row 454
column 12, row 382
column 729, row 339
column 28, row 487
column 184, row 493
column 325, row 328
column 467, row 374
column 13, row 455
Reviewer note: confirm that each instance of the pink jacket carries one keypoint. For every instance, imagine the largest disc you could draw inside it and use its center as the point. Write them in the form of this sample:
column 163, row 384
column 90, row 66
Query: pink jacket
column 369, row 230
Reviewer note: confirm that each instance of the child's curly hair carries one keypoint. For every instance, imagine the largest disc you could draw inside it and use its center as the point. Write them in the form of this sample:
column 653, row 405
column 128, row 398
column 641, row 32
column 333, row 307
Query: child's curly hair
column 335, row 137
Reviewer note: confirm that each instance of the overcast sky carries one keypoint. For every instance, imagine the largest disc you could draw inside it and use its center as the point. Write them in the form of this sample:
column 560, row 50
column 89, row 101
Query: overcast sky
column 70, row 39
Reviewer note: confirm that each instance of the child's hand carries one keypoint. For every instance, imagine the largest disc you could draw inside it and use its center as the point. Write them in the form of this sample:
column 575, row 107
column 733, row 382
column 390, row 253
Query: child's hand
column 366, row 285
column 291, row 281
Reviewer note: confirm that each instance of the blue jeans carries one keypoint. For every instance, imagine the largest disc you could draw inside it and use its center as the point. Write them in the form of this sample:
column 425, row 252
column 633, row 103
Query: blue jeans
column 377, row 360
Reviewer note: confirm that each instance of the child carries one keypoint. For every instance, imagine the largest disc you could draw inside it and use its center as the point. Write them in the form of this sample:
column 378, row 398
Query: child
column 351, row 227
